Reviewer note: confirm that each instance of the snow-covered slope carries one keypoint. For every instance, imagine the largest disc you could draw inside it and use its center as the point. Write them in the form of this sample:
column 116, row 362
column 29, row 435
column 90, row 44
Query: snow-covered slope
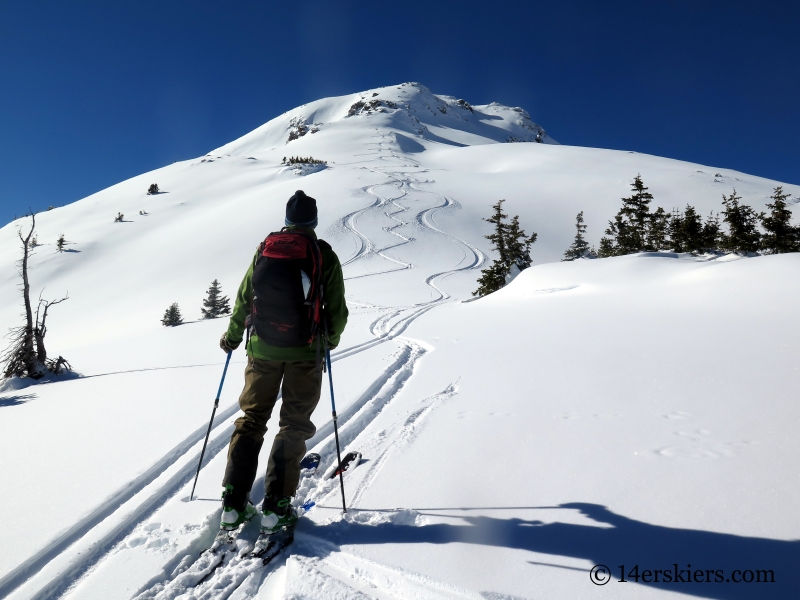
column 636, row 410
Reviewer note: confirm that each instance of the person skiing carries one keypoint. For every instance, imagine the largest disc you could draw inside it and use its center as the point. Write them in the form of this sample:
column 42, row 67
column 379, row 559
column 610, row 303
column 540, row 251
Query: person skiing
column 291, row 296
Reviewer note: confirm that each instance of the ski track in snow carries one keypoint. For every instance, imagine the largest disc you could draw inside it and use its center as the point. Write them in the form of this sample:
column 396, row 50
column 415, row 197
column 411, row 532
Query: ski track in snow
column 353, row 576
column 177, row 480
column 190, row 578
column 408, row 431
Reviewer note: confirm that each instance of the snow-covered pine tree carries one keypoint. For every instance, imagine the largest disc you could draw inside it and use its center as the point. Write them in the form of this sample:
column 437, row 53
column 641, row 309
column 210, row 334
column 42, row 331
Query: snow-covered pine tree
column 119, row 218
column 628, row 232
column 781, row 236
column 172, row 316
column 742, row 221
column 153, row 189
column 580, row 247
column 215, row 305
column 61, row 242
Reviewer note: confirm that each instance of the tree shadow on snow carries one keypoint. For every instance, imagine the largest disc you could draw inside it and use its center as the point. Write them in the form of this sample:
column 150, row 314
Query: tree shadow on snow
column 626, row 542
column 16, row 400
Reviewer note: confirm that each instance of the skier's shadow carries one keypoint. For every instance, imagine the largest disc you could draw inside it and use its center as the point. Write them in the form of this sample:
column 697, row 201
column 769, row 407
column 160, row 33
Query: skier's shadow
column 627, row 542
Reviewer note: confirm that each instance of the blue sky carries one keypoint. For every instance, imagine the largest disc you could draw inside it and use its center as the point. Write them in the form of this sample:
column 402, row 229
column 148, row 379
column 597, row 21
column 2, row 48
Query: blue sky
column 95, row 92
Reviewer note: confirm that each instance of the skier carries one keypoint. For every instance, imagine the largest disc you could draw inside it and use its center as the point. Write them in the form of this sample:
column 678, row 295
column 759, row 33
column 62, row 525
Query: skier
column 276, row 303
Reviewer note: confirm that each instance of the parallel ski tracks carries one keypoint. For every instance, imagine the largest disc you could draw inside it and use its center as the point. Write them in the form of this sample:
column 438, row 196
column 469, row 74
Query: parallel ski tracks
column 389, row 326
column 227, row 577
column 57, row 546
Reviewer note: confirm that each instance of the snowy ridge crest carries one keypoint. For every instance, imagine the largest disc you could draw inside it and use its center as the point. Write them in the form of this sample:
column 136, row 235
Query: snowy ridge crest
column 408, row 107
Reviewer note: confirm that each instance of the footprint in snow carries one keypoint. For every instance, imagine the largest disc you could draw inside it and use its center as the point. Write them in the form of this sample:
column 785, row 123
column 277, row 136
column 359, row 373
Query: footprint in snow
column 699, row 444
column 677, row 415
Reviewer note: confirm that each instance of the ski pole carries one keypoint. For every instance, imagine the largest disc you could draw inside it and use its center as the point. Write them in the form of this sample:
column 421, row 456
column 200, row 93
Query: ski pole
column 211, row 422
column 335, row 427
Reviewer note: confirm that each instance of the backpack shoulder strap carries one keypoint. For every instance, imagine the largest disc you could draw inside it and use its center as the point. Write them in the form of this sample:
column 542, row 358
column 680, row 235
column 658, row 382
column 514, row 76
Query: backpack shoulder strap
column 259, row 252
column 324, row 244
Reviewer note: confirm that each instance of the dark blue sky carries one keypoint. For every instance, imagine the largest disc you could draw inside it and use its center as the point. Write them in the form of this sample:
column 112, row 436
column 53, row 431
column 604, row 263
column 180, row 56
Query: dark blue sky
column 94, row 92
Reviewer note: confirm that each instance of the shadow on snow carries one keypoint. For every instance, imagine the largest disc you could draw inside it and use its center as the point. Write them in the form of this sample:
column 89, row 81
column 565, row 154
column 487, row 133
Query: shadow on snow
column 627, row 542
column 16, row 400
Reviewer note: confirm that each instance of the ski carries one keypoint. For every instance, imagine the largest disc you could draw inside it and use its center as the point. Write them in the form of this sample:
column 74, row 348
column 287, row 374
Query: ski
column 225, row 538
column 267, row 541
column 351, row 460
column 263, row 544
column 277, row 545
column 214, row 555
column 269, row 546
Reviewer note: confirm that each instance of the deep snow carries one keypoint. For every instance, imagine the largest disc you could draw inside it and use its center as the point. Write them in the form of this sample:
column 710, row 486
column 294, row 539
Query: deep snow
column 635, row 410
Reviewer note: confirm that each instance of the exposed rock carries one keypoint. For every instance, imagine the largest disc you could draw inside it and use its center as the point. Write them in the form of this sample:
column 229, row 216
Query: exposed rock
column 298, row 127
column 364, row 108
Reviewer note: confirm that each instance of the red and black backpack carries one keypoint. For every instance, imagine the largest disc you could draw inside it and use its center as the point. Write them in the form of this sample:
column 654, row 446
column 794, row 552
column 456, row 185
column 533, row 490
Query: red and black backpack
column 287, row 289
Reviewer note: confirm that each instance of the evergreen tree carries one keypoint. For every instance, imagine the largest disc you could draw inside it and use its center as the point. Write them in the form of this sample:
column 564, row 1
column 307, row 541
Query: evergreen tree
column 711, row 233
column 492, row 279
column 628, row 232
column 153, row 189
column 686, row 231
column 215, row 304
column 498, row 238
column 61, row 242
column 781, row 236
column 607, row 247
column 658, row 230
column 742, row 221
column 119, row 218
column 518, row 245
column 172, row 316
column 513, row 246
column 580, row 247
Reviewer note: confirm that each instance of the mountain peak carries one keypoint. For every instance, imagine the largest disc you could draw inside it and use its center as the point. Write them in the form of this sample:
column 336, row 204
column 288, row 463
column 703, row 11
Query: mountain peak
column 409, row 107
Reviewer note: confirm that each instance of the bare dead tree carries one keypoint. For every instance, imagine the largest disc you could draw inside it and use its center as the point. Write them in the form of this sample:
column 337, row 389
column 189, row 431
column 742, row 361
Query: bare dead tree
column 29, row 358
column 40, row 329
column 20, row 357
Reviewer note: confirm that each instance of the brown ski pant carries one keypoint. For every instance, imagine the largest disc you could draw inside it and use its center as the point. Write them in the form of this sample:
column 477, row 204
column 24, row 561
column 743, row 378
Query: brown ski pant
column 301, row 383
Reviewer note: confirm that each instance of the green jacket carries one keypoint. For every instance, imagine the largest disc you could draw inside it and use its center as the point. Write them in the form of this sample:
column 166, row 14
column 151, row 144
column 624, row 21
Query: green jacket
column 333, row 286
